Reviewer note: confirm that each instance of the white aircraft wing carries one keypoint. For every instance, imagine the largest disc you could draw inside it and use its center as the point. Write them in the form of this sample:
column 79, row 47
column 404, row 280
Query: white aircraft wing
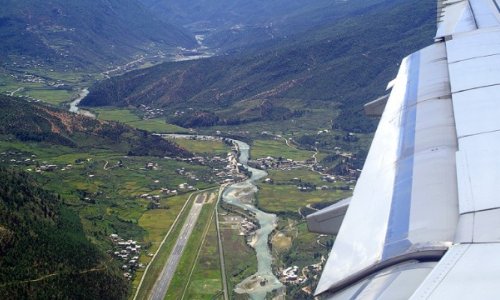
column 424, row 219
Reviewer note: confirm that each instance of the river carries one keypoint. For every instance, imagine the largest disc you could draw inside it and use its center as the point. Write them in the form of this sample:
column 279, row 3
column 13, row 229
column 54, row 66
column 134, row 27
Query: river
column 242, row 194
column 73, row 106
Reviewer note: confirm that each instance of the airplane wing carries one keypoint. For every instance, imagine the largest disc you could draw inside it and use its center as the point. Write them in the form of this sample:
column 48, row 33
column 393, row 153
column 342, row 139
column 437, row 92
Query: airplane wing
column 424, row 218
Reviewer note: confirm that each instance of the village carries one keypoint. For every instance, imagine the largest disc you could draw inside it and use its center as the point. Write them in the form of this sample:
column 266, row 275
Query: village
column 271, row 163
column 128, row 251
column 224, row 170
column 151, row 112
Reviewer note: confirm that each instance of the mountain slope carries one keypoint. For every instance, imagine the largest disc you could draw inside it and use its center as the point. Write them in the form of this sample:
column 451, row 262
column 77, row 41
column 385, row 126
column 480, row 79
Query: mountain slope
column 228, row 12
column 43, row 249
column 347, row 62
column 237, row 23
column 86, row 33
column 38, row 123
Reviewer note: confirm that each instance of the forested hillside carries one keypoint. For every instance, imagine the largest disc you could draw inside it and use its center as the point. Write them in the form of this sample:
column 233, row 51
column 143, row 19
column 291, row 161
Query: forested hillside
column 31, row 122
column 230, row 24
column 44, row 253
column 348, row 62
column 88, row 34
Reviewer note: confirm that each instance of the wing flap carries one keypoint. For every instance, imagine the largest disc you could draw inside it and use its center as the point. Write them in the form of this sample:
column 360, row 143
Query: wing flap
column 467, row 271
column 396, row 282
column 414, row 146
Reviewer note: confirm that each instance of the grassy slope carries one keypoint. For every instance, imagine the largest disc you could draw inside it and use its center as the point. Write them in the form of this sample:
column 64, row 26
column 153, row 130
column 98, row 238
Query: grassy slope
column 157, row 222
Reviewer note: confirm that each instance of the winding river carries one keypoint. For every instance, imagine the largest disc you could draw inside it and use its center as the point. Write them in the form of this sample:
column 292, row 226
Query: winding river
column 73, row 106
column 242, row 194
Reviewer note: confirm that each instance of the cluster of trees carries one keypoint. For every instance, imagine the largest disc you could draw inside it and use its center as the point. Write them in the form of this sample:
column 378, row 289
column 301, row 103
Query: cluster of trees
column 145, row 144
column 44, row 252
column 265, row 112
column 196, row 119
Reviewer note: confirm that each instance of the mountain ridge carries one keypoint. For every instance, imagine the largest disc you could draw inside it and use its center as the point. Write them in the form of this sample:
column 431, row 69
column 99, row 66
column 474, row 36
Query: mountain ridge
column 233, row 24
column 338, row 63
column 30, row 122
column 84, row 34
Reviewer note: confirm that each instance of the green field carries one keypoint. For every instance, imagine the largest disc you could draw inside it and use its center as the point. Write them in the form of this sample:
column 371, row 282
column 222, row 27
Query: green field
column 116, row 114
column 37, row 91
column 203, row 146
column 157, row 222
column 304, row 247
column 125, row 183
column 288, row 199
column 127, row 116
column 239, row 257
column 304, row 175
column 278, row 148
column 44, row 90
column 157, row 126
column 54, row 97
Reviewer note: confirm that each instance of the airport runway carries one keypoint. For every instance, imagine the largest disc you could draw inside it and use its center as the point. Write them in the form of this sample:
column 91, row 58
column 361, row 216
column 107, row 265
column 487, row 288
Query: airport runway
column 161, row 285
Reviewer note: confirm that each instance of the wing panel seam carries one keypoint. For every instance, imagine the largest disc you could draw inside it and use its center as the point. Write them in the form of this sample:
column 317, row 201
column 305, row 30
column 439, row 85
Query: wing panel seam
column 446, row 268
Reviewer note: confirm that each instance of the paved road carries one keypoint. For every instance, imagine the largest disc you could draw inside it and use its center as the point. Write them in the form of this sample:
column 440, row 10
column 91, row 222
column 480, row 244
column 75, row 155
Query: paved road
column 161, row 285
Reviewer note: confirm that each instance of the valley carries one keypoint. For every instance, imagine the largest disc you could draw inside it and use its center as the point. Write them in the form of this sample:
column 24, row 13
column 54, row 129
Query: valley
column 249, row 117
